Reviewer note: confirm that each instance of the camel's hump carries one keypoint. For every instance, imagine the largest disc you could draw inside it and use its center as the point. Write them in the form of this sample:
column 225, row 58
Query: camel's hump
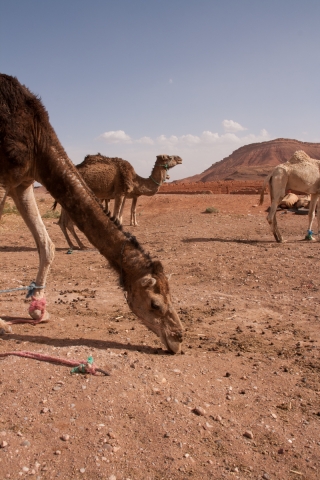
column 300, row 157
column 94, row 159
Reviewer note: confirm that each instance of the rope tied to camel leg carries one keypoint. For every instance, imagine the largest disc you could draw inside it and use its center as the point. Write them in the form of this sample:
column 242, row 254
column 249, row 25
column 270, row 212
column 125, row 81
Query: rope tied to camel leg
column 31, row 289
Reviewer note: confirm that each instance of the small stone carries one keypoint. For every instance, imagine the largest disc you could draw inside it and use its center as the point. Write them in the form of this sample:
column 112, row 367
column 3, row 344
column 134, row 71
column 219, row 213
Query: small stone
column 176, row 370
column 65, row 437
column 199, row 411
column 266, row 476
column 217, row 418
column 57, row 452
column 25, row 443
column 112, row 477
column 228, row 397
column 108, row 447
column 281, row 451
column 44, row 410
column 82, row 470
column 25, row 469
column 208, row 426
column 248, row 434
column 228, row 374
column 166, row 435
column 273, row 415
column 3, row 444
column 115, row 449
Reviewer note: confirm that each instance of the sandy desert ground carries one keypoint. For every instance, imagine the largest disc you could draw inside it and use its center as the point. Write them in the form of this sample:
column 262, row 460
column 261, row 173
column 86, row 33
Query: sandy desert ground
column 241, row 402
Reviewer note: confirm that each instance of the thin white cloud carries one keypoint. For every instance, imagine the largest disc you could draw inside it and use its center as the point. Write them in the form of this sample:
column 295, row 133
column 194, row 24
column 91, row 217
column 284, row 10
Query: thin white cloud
column 170, row 80
column 188, row 140
column 145, row 141
column 116, row 136
column 231, row 126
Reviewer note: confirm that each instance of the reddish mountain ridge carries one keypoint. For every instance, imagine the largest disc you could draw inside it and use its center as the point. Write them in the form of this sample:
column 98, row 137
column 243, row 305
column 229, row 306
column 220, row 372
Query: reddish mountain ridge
column 253, row 162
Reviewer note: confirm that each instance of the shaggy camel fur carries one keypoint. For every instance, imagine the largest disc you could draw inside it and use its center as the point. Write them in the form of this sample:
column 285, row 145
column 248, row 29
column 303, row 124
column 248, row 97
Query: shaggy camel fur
column 30, row 150
column 116, row 178
column 301, row 173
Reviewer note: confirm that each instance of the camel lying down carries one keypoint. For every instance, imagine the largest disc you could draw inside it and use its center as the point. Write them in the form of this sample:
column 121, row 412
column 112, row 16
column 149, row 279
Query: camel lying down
column 300, row 173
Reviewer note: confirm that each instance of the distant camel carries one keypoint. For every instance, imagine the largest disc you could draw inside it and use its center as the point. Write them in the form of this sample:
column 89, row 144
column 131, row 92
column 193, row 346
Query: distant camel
column 29, row 151
column 301, row 173
column 115, row 178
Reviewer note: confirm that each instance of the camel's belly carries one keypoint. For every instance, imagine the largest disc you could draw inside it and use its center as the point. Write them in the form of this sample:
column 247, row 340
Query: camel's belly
column 304, row 181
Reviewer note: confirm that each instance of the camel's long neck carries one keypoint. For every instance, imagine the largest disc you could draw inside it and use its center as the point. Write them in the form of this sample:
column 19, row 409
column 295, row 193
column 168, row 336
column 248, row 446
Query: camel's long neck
column 60, row 177
column 151, row 185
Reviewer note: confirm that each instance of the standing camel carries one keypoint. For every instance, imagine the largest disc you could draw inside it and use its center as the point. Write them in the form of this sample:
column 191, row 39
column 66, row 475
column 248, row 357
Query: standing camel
column 29, row 151
column 115, row 178
column 300, row 173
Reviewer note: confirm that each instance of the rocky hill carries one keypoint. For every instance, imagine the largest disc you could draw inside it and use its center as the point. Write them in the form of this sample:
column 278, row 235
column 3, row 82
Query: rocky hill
column 253, row 162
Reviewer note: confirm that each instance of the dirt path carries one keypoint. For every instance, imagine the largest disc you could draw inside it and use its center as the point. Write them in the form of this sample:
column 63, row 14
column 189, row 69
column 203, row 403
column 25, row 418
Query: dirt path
column 241, row 402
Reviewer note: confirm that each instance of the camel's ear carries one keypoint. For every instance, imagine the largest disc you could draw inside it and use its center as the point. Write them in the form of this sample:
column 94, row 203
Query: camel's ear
column 148, row 281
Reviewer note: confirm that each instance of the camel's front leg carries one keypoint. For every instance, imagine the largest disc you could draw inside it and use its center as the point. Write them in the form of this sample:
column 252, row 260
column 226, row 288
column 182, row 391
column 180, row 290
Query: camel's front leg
column 311, row 215
column 26, row 204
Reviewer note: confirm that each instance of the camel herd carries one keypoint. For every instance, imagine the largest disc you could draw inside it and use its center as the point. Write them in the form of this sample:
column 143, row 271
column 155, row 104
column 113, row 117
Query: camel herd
column 30, row 151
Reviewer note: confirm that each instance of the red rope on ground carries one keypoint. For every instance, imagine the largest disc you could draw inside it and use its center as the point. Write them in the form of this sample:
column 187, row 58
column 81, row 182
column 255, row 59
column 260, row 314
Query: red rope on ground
column 87, row 368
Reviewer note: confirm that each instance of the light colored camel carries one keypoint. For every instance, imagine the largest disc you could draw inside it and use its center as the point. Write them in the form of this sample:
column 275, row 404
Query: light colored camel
column 29, row 151
column 301, row 173
column 115, row 178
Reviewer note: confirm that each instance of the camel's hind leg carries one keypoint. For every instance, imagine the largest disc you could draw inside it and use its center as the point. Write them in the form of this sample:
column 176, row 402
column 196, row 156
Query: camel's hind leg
column 65, row 223
column 119, row 202
column 311, row 215
column 26, row 204
column 133, row 220
column 3, row 196
column 277, row 192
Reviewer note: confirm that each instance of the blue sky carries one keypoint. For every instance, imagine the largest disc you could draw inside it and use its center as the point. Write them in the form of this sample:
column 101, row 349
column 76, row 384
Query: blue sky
column 196, row 78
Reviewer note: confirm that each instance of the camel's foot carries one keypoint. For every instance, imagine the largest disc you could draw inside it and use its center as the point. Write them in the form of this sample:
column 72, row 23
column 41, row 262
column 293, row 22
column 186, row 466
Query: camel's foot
column 37, row 310
column 309, row 238
column 38, row 316
column 279, row 239
column 4, row 327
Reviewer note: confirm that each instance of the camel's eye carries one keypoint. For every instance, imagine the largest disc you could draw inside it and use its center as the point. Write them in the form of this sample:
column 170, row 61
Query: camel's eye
column 154, row 305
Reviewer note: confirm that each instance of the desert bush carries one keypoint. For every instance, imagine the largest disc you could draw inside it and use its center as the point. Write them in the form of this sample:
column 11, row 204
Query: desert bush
column 10, row 209
column 211, row 210
column 51, row 214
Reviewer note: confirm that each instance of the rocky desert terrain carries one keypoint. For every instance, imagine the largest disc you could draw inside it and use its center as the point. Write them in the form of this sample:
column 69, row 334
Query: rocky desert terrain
column 242, row 401
column 254, row 161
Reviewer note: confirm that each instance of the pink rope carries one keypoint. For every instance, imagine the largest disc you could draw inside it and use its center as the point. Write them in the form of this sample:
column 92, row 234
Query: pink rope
column 87, row 368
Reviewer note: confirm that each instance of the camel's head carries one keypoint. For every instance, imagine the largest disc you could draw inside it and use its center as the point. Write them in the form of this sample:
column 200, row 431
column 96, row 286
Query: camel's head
column 149, row 298
column 168, row 161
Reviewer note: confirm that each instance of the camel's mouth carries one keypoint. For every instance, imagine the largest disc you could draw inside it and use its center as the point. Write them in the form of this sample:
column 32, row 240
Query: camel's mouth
column 171, row 343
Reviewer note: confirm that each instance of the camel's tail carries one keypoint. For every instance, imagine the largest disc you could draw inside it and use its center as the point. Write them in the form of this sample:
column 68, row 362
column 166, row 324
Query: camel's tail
column 54, row 206
column 264, row 187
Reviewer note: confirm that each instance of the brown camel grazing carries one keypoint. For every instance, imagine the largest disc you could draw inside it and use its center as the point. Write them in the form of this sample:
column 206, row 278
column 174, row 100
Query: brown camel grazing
column 115, row 178
column 300, row 173
column 30, row 150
